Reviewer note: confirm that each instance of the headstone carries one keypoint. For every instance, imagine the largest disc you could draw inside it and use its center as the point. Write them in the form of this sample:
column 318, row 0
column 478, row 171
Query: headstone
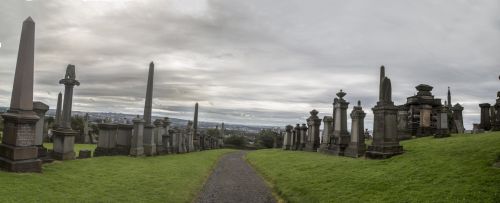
column 476, row 128
column 485, row 116
column 341, row 137
column 64, row 136
column 106, row 145
column 124, row 138
column 84, row 154
column 18, row 152
column 296, row 137
column 287, row 139
column 158, row 136
column 40, row 109
column 149, row 142
column 327, row 132
column 442, row 129
column 303, row 136
column 86, row 130
column 313, row 123
column 58, row 111
column 403, row 131
column 166, row 135
column 357, row 145
column 385, row 139
column 458, row 118
column 136, row 145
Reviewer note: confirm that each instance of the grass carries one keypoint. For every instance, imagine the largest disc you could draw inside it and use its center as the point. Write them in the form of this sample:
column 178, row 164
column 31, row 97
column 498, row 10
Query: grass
column 78, row 147
column 169, row 178
column 454, row 169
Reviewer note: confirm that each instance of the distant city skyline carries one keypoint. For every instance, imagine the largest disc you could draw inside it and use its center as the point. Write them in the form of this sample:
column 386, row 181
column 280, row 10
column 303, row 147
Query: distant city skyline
column 255, row 62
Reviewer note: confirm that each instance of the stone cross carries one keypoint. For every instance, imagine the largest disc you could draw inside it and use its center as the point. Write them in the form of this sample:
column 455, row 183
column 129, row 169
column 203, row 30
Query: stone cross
column 69, row 82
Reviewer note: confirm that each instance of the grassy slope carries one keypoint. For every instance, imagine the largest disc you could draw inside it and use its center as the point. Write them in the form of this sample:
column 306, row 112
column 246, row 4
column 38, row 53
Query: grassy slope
column 170, row 178
column 455, row 169
column 78, row 147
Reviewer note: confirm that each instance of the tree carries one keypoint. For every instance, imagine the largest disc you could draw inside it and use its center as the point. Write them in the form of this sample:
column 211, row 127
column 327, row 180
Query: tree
column 236, row 140
column 266, row 138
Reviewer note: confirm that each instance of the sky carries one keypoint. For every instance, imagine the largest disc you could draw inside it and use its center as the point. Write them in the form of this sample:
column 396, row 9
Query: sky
column 255, row 62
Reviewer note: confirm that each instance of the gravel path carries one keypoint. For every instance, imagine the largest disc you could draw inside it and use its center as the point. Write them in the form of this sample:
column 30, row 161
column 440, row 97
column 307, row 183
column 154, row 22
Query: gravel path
column 233, row 180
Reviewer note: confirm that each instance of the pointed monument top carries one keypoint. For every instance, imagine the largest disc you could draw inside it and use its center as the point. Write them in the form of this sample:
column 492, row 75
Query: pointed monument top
column 29, row 19
column 151, row 64
column 359, row 103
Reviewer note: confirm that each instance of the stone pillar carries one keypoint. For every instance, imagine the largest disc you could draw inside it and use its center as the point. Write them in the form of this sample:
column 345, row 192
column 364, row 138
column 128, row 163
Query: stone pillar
column 166, row 135
column 296, row 138
column 18, row 152
column 458, row 118
column 313, row 122
column 496, row 124
column 357, row 145
column 485, row 116
column 124, row 138
column 40, row 109
column 106, row 145
column 174, row 137
column 425, row 128
column 340, row 133
column 181, row 138
column 58, row 111
column 195, row 127
column 190, row 136
column 287, row 139
column 327, row 132
column 136, row 145
column 158, row 136
column 64, row 136
column 385, row 138
column 86, row 136
column 303, row 136
column 442, row 129
column 403, row 131
column 149, row 141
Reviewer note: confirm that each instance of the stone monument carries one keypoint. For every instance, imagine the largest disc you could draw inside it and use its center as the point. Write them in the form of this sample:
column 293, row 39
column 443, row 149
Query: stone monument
column 124, row 138
column 458, row 119
column 149, row 142
column 485, row 117
column 18, row 152
column 64, row 136
column 442, row 129
column 40, row 109
column 158, row 136
column 58, row 111
column 313, row 122
column 357, row 145
column 296, row 137
column 287, row 139
column 385, row 138
column 327, row 132
column 136, row 144
column 303, row 137
column 106, row 146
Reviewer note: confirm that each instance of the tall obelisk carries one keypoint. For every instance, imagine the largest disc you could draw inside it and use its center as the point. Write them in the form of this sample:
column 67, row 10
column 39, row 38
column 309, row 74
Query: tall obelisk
column 195, row 120
column 17, row 151
column 64, row 136
column 382, row 76
column 449, row 99
column 149, row 143
column 58, row 111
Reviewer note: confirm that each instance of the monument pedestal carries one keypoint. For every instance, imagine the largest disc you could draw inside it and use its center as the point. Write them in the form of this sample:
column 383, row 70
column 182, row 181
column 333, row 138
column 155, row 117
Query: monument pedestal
column 441, row 133
column 384, row 151
column 355, row 150
column 149, row 143
column 385, row 141
column 64, row 143
column 17, row 151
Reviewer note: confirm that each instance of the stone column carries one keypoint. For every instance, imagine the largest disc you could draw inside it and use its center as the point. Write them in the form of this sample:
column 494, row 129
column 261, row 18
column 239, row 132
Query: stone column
column 136, row 145
column 174, row 137
column 287, row 139
column 124, row 138
column 442, row 123
column 149, row 142
column 313, row 122
column 403, row 131
column 40, row 109
column 340, row 133
column 58, row 111
column 64, row 136
column 106, row 145
column 357, row 145
column 296, row 138
column 485, row 116
column 496, row 124
column 195, row 125
column 166, row 135
column 18, row 152
column 190, row 136
column 158, row 136
column 458, row 118
column 385, row 138
column 425, row 128
column 327, row 132
column 303, row 136
column 86, row 136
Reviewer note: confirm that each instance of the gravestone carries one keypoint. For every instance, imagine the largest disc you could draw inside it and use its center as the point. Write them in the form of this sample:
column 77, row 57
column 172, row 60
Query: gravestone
column 303, row 137
column 403, row 131
column 357, row 145
column 18, row 152
column 166, row 136
column 385, row 138
column 313, row 123
column 458, row 118
column 64, row 136
column 158, row 136
column 106, row 145
column 136, row 144
column 327, row 132
column 296, row 138
column 40, row 109
column 124, row 138
column 442, row 129
column 287, row 139
column 485, row 116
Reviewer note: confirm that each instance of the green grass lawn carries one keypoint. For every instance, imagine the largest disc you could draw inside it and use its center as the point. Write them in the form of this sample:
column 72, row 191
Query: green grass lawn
column 169, row 178
column 454, row 169
column 78, row 147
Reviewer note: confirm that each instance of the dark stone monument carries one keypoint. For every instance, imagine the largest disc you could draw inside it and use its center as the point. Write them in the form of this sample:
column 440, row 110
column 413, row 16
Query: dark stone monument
column 296, row 138
column 303, row 136
column 149, row 142
column 106, row 146
column 442, row 129
column 385, row 138
column 485, row 116
column 357, row 145
column 341, row 137
column 313, row 122
column 458, row 120
column 84, row 154
column 18, row 152
column 327, row 132
column 40, row 109
column 287, row 139
column 123, row 138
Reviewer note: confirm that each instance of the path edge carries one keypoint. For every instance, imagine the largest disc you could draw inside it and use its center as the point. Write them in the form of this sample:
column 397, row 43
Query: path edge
column 267, row 180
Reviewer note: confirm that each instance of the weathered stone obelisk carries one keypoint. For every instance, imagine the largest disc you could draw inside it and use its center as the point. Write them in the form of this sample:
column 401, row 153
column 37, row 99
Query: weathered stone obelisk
column 64, row 136
column 385, row 130
column 58, row 111
column 18, row 152
column 149, row 142
column 195, row 119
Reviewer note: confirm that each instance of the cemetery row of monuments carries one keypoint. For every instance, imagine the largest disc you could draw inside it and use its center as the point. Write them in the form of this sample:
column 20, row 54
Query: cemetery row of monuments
column 22, row 148
column 422, row 115
column 490, row 116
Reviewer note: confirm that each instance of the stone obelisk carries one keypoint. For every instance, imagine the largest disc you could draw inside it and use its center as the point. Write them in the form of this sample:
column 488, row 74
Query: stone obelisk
column 17, row 151
column 64, row 136
column 195, row 120
column 58, row 111
column 149, row 142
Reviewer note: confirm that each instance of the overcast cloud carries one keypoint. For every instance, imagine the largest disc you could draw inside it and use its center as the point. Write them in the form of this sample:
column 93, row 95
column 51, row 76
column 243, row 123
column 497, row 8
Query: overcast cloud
column 255, row 62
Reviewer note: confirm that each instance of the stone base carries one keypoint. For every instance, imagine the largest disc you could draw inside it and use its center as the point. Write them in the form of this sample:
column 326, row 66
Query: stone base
column 84, row 154
column 424, row 132
column 100, row 151
column 404, row 136
column 150, row 150
column 64, row 142
column 441, row 133
column 42, row 151
column 138, row 151
column 311, row 147
column 160, row 150
column 18, row 153
column 122, row 150
column 354, row 150
column 383, row 152
column 287, row 147
column 31, row 165
column 329, row 151
column 63, row 156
